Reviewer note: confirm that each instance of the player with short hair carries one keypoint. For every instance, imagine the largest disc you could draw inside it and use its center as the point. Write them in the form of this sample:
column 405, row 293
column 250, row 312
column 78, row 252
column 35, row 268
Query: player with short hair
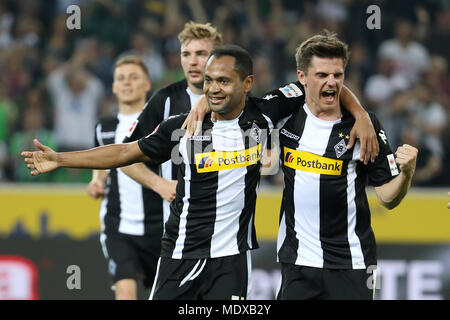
column 210, row 229
column 211, row 225
column 130, row 229
column 325, row 241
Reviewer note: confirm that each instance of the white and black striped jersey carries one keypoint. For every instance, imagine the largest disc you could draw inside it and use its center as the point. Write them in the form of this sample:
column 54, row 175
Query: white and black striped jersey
column 171, row 100
column 325, row 216
column 127, row 206
column 213, row 212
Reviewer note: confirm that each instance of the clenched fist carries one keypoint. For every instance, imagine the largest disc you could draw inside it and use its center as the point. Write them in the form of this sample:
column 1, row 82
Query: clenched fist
column 406, row 157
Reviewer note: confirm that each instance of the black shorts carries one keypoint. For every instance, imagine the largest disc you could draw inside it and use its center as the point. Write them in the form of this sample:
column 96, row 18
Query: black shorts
column 224, row 278
column 131, row 257
column 301, row 283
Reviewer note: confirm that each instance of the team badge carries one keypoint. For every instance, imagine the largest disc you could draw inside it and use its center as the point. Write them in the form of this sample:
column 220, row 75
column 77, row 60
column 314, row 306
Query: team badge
column 255, row 133
column 340, row 148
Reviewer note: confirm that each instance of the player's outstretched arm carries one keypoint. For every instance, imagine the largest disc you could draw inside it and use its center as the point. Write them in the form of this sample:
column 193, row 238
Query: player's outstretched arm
column 392, row 193
column 363, row 128
column 104, row 157
column 146, row 177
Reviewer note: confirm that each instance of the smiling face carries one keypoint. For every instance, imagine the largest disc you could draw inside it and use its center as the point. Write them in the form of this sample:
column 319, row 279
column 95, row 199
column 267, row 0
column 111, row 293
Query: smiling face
column 323, row 83
column 130, row 84
column 194, row 55
column 224, row 89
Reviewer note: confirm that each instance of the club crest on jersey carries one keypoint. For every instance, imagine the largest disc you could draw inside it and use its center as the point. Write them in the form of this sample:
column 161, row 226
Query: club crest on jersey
column 291, row 91
column 340, row 148
column 255, row 133
column 310, row 162
column 224, row 160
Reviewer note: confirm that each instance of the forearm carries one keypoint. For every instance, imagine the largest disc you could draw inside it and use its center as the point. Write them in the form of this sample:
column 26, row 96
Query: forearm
column 351, row 103
column 392, row 193
column 140, row 173
column 104, row 157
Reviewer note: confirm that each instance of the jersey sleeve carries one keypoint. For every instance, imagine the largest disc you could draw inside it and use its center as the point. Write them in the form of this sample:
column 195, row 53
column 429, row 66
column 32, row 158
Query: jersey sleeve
column 159, row 144
column 148, row 120
column 384, row 169
column 96, row 138
column 282, row 102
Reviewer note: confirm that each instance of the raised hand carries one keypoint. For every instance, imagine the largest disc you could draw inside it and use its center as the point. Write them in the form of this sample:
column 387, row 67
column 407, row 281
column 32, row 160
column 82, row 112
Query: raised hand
column 406, row 157
column 41, row 161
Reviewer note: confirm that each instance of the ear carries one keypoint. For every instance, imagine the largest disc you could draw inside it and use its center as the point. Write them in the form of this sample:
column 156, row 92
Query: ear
column 248, row 83
column 113, row 88
column 148, row 86
column 301, row 77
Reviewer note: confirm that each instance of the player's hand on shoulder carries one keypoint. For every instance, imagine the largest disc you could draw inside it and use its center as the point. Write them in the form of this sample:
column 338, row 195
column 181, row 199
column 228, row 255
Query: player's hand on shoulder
column 406, row 157
column 364, row 131
column 194, row 120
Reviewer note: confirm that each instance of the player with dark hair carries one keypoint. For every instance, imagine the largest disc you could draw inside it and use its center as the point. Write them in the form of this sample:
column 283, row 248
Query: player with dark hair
column 197, row 40
column 325, row 241
column 210, row 228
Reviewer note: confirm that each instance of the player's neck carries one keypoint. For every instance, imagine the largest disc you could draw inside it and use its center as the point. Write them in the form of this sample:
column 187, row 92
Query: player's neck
column 326, row 113
column 194, row 89
column 131, row 108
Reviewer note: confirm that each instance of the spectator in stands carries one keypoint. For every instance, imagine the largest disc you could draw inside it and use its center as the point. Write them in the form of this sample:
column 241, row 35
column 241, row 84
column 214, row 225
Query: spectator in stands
column 410, row 57
column 76, row 95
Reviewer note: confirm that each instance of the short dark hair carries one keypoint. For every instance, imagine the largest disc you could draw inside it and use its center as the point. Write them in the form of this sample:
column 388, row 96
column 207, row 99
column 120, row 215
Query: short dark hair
column 243, row 64
column 324, row 45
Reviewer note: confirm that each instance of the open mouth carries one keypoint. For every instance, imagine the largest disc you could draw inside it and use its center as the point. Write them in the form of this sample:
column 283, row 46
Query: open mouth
column 328, row 95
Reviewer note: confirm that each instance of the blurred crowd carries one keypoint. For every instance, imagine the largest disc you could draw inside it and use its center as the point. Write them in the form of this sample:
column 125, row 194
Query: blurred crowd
column 56, row 82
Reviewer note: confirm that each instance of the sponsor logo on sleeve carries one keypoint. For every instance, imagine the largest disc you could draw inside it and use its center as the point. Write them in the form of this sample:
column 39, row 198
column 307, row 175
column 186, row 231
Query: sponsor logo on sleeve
column 291, row 91
column 392, row 164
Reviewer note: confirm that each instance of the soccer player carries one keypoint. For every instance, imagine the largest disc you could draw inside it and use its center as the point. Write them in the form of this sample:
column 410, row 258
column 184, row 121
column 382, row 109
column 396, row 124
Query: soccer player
column 131, row 229
column 325, row 241
column 210, row 229
column 197, row 40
